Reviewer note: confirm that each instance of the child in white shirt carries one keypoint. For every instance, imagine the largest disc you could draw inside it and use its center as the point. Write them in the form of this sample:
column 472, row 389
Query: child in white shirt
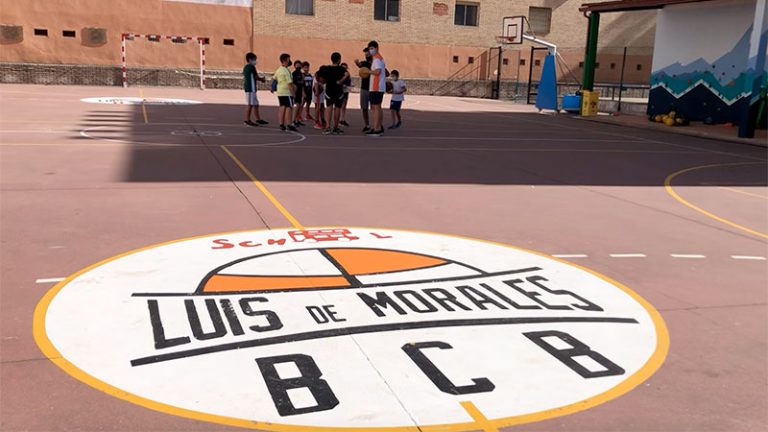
column 398, row 96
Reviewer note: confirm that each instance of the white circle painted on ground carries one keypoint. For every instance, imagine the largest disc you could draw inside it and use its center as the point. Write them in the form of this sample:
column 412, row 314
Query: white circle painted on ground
column 350, row 327
column 122, row 100
column 183, row 132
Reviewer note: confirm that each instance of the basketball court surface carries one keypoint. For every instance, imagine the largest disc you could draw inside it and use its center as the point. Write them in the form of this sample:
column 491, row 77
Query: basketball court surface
column 485, row 267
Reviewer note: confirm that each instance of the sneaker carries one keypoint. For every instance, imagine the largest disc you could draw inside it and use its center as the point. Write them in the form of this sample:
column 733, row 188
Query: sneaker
column 319, row 126
column 327, row 131
column 344, row 123
column 282, row 128
column 292, row 128
column 375, row 133
column 249, row 123
column 310, row 118
column 398, row 125
column 337, row 131
column 366, row 129
column 392, row 127
column 262, row 122
column 298, row 123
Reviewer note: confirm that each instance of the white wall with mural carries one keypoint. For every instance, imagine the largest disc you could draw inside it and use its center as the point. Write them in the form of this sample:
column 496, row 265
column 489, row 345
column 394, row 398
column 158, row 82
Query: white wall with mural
column 705, row 59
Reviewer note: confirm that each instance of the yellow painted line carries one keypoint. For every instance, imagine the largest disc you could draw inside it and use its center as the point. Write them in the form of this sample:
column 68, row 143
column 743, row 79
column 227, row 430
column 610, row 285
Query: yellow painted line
column 264, row 190
column 143, row 106
column 671, row 192
column 481, row 422
column 743, row 192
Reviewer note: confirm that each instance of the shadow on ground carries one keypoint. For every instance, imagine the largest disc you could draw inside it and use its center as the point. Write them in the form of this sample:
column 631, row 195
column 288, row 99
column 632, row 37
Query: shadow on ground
column 183, row 143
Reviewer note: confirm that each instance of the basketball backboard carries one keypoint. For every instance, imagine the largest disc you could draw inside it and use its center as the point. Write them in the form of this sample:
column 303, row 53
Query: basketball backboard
column 512, row 30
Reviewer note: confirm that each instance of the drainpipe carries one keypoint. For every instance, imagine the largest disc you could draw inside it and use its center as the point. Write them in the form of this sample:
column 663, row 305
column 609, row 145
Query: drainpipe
column 590, row 52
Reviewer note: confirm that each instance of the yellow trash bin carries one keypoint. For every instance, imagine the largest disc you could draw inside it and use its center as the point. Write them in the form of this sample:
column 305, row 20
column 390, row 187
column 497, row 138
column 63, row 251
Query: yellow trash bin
column 589, row 100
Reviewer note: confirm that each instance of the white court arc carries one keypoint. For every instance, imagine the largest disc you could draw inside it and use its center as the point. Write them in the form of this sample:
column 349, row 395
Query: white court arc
column 453, row 321
column 92, row 133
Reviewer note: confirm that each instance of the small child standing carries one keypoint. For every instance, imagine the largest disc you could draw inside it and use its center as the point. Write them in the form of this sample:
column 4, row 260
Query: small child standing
column 398, row 96
column 319, row 91
column 285, row 92
column 308, row 89
column 250, row 78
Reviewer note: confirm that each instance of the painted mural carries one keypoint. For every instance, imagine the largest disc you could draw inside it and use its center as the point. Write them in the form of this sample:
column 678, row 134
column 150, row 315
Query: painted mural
column 700, row 70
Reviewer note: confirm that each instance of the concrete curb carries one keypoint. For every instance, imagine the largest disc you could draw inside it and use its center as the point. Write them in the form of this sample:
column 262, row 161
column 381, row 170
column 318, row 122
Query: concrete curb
column 676, row 130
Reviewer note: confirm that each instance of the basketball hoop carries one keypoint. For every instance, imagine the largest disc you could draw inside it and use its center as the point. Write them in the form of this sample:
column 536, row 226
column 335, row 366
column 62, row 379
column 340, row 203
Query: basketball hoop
column 506, row 40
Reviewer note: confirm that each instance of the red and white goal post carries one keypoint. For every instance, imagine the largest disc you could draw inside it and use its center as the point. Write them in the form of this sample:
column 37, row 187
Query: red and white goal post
column 125, row 37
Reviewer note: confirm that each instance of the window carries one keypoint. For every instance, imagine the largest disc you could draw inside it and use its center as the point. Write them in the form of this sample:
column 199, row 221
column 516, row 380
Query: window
column 386, row 10
column 300, row 7
column 455, row 59
column 639, row 67
column 68, row 33
column 613, row 65
column 539, row 19
column 230, row 42
column 41, row 32
column 206, row 41
column 581, row 65
column 522, row 62
column 466, row 14
column 471, row 60
column 597, row 65
column 153, row 38
column 179, row 40
column 505, row 62
column 537, row 62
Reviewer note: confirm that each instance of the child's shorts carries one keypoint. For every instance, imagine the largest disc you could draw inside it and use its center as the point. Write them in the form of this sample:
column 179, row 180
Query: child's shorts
column 395, row 105
column 251, row 99
column 285, row 101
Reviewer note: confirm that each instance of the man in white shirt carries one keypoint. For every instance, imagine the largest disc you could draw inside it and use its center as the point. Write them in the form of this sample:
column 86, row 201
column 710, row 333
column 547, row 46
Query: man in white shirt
column 378, row 86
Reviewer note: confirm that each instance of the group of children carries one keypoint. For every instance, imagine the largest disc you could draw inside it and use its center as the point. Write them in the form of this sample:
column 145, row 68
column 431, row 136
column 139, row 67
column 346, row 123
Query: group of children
column 328, row 89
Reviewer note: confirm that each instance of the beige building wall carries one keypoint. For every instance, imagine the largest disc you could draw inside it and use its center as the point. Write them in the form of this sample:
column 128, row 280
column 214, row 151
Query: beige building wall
column 424, row 43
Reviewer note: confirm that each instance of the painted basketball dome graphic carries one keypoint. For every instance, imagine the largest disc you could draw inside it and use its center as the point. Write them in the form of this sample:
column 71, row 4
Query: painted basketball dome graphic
column 350, row 328
column 330, row 268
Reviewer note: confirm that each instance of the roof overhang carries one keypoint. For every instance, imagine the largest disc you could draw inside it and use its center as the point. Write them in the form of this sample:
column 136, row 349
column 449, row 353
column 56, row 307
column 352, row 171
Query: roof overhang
column 632, row 5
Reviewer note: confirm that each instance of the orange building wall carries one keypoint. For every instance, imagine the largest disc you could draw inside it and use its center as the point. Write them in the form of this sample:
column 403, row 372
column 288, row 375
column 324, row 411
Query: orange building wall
column 139, row 16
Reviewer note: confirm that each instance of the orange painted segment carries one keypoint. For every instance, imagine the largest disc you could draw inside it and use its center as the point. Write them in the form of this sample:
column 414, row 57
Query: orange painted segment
column 234, row 283
column 367, row 261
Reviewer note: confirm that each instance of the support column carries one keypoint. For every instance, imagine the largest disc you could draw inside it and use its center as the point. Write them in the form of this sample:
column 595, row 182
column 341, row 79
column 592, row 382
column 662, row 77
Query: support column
column 590, row 52
column 756, row 70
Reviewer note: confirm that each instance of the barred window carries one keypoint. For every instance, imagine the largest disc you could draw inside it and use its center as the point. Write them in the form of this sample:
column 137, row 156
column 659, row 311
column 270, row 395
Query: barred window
column 466, row 14
column 386, row 10
column 300, row 7
column 540, row 19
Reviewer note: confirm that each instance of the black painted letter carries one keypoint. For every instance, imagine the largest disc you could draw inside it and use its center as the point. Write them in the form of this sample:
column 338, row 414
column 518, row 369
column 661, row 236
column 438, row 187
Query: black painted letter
column 481, row 385
column 309, row 379
column 577, row 349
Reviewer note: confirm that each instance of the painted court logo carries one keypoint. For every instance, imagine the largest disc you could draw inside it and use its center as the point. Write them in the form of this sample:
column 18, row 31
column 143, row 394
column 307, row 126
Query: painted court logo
column 350, row 328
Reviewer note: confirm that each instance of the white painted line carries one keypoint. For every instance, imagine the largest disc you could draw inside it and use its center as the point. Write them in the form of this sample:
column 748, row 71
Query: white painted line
column 693, row 256
column 570, row 256
column 49, row 280
column 628, row 255
column 748, row 257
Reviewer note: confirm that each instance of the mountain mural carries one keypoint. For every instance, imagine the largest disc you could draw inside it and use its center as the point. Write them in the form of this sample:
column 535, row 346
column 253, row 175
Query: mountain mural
column 703, row 89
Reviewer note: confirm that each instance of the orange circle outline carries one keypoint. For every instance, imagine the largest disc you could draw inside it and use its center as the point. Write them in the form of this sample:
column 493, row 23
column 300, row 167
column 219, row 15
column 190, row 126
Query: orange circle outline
column 649, row 368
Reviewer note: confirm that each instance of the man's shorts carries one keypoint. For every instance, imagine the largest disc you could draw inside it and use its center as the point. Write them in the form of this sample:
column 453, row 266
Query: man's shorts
column 376, row 98
column 286, row 101
column 337, row 101
column 395, row 105
column 364, row 99
column 251, row 99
